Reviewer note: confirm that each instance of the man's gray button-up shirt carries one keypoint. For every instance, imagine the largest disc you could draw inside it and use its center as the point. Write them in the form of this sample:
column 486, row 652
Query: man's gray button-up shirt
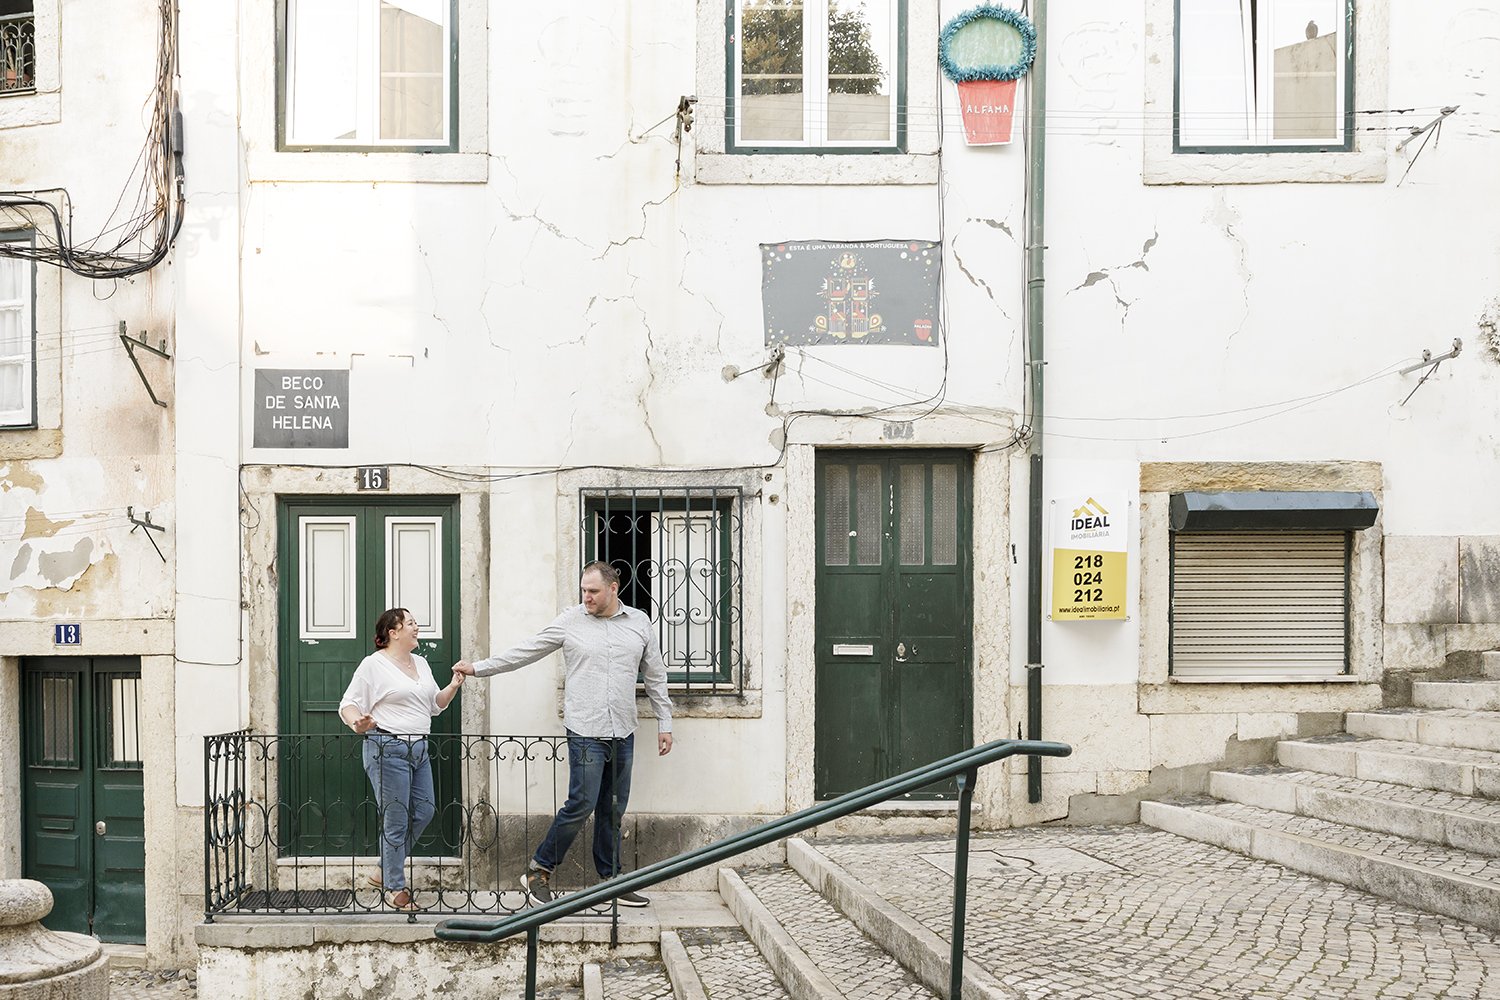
column 601, row 658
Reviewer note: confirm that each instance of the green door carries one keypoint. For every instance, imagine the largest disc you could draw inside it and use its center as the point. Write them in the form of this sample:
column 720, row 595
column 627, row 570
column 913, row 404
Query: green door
column 345, row 564
column 893, row 615
column 83, row 800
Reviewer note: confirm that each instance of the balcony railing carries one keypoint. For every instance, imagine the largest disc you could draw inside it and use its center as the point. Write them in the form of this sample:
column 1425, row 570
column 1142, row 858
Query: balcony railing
column 292, row 825
column 17, row 54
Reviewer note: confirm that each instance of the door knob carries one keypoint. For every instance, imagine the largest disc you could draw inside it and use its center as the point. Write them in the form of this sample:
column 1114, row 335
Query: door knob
column 900, row 652
column 100, row 828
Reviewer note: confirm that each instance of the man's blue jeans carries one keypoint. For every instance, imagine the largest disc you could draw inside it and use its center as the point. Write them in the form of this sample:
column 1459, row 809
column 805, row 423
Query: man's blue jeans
column 598, row 783
column 400, row 772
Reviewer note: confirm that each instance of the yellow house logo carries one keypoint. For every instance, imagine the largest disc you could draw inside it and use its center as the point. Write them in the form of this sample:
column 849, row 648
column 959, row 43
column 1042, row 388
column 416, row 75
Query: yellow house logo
column 1090, row 515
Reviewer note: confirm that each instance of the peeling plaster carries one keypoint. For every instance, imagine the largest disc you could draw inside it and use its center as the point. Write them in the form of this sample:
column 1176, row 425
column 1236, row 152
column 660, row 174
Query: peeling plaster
column 1489, row 329
column 20, row 477
column 63, row 569
column 23, row 559
column 38, row 525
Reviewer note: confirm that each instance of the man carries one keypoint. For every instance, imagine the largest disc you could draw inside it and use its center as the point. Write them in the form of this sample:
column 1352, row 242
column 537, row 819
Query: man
column 604, row 645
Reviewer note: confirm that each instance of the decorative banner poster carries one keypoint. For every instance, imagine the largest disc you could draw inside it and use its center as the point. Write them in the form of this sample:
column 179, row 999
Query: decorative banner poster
column 877, row 292
column 1088, row 557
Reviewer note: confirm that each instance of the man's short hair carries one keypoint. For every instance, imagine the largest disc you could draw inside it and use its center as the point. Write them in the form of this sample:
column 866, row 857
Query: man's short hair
column 606, row 572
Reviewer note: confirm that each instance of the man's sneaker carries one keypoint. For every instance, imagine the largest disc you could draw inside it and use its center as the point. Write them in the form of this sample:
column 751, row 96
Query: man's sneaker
column 538, row 885
column 633, row 899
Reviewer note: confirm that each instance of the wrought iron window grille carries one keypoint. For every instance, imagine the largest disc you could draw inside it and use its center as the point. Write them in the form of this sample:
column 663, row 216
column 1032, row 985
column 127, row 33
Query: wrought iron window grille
column 17, row 54
column 680, row 555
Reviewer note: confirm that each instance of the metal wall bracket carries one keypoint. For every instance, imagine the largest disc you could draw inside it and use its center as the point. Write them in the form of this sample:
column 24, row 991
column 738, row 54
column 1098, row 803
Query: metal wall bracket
column 130, row 345
column 145, row 523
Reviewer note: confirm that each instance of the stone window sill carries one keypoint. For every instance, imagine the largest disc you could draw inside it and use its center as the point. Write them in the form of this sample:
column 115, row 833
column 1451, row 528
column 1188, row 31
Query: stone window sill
column 706, row 706
column 267, row 166
column 811, row 168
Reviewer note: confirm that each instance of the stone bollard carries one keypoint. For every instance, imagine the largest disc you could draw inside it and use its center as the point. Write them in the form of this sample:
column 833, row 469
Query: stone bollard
column 38, row 964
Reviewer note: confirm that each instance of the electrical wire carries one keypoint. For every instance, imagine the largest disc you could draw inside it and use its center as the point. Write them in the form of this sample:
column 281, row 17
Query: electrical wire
column 147, row 215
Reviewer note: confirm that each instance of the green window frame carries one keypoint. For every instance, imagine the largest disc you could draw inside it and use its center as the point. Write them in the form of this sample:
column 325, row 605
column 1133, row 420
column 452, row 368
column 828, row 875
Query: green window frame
column 814, row 33
column 679, row 553
column 1209, row 104
column 372, row 82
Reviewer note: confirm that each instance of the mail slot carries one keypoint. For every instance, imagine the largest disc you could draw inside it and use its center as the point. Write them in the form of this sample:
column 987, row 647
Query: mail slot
column 854, row 649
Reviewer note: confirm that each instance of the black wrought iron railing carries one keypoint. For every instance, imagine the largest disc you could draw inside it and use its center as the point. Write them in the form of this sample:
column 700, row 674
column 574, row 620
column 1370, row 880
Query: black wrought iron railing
column 17, row 54
column 963, row 766
column 293, row 825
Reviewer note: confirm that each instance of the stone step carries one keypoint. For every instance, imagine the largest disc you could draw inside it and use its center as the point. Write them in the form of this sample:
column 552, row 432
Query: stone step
column 1479, row 694
column 1429, row 877
column 1443, row 727
column 1489, row 663
column 627, row 979
column 723, row 962
column 817, row 952
column 1400, row 762
column 1460, row 821
column 917, row 948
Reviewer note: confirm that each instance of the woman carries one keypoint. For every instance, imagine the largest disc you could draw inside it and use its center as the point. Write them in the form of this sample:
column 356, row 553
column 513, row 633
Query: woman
column 391, row 701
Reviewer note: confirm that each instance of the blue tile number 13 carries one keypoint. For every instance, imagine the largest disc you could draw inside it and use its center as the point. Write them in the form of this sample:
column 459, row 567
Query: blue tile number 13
column 67, row 635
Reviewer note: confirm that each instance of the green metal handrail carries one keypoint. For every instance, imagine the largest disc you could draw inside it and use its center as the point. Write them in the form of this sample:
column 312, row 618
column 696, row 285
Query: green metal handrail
column 963, row 765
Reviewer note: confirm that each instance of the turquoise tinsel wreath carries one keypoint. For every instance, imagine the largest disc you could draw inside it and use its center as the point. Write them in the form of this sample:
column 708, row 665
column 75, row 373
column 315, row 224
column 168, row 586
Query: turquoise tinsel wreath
column 1012, row 71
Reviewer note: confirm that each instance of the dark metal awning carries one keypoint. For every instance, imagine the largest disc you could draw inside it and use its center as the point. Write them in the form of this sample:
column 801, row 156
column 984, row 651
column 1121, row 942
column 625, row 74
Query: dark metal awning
column 1273, row 510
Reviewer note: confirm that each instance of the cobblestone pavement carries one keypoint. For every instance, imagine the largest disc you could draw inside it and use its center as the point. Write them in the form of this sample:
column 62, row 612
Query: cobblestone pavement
column 141, row 984
column 1468, row 805
column 1448, row 859
column 859, row 967
column 636, row 979
column 1172, row 919
column 729, row 965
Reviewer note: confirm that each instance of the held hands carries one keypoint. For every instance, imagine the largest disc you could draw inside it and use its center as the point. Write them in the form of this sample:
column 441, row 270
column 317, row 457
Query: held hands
column 463, row 668
column 457, row 680
column 363, row 724
column 663, row 744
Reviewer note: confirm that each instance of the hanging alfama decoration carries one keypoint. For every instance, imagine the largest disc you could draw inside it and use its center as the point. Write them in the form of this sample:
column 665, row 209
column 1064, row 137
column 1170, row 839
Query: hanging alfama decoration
column 984, row 51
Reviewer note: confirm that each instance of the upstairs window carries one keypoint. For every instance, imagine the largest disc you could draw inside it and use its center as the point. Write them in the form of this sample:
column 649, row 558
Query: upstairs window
column 17, row 341
column 816, row 74
column 1264, row 76
column 17, row 47
column 368, row 74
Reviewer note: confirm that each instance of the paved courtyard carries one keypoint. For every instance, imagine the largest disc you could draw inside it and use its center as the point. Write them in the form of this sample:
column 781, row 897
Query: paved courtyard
column 1128, row 911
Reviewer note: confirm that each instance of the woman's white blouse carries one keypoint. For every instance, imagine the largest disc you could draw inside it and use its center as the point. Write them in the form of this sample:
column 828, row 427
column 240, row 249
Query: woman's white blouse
column 398, row 704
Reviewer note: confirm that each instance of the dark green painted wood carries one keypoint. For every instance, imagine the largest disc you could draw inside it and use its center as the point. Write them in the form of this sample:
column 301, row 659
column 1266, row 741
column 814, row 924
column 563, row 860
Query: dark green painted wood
column 98, row 880
column 907, row 702
column 322, row 777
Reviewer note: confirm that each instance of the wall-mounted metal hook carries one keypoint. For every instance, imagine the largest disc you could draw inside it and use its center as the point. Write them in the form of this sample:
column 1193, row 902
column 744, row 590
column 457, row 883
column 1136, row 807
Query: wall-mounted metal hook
column 145, row 523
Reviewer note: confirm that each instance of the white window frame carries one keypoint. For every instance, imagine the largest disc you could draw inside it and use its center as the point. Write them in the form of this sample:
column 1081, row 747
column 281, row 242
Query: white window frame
column 393, row 524
column 1259, row 87
column 815, row 84
column 304, row 552
column 23, row 417
column 367, row 97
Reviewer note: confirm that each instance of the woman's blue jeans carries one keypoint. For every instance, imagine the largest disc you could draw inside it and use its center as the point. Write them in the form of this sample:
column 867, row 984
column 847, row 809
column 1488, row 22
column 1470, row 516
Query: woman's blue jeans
column 400, row 772
column 598, row 783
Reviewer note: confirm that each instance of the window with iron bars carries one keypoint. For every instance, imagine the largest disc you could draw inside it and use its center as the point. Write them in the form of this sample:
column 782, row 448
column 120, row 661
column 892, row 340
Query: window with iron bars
column 679, row 553
column 17, row 47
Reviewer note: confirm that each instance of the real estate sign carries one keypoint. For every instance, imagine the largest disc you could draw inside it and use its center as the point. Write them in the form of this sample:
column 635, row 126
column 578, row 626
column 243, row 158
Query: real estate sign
column 1088, row 557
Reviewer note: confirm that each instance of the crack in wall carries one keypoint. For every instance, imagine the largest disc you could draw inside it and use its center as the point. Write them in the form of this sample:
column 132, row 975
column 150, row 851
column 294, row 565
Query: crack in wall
column 1108, row 274
column 1225, row 217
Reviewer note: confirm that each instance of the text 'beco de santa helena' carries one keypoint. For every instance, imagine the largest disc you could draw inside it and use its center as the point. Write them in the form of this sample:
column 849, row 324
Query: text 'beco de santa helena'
column 301, row 405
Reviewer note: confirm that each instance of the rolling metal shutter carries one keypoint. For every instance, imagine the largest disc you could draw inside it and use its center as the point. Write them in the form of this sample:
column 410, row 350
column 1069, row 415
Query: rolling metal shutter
column 1253, row 605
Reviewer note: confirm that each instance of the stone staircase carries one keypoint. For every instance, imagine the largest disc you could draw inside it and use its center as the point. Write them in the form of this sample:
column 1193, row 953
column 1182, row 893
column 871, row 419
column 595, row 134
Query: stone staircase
column 807, row 930
column 1404, row 804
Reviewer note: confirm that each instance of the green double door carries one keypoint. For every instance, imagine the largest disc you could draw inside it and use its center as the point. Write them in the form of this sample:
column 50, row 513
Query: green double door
column 893, row 633
column 342, row 565
column 84, row 810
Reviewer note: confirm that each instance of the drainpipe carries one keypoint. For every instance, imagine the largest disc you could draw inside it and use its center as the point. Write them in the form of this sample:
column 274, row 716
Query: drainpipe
column 1036, row 141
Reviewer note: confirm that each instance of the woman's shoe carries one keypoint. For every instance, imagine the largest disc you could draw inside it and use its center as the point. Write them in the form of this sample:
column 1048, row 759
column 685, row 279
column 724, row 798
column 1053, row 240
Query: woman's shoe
column 374, row 882
column 400, row 900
